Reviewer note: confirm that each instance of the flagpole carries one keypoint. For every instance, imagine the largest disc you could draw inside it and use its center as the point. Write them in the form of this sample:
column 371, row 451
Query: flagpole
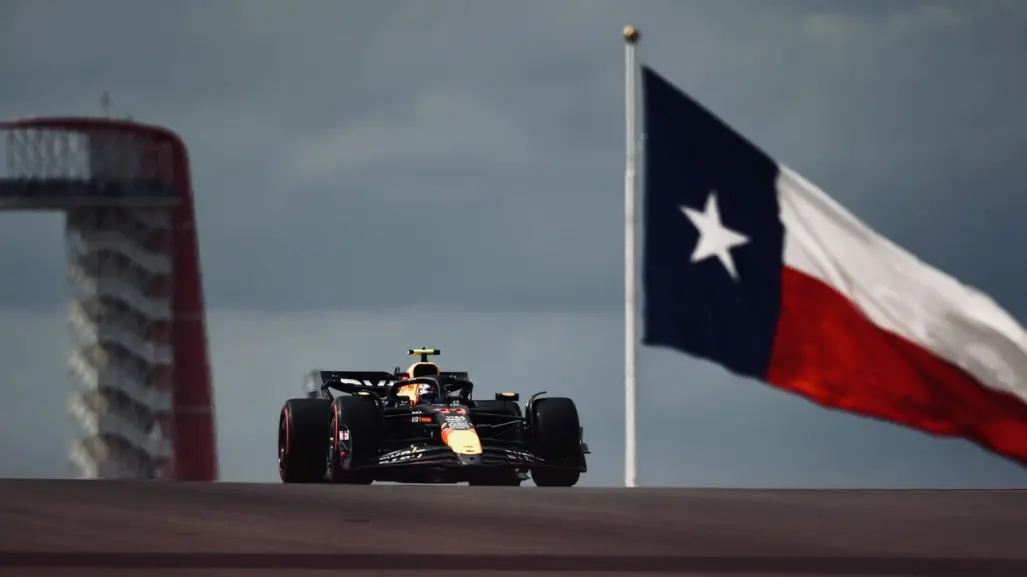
column 631, row 37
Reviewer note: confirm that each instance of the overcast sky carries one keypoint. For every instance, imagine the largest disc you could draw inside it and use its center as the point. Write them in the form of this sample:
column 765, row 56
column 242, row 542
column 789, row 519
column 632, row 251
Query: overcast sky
column 341, row 150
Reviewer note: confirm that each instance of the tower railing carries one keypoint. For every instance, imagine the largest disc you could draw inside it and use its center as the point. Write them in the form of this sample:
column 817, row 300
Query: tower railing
column 139, row 342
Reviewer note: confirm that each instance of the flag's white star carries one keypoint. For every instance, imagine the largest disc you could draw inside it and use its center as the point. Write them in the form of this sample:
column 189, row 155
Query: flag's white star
column 714, row 238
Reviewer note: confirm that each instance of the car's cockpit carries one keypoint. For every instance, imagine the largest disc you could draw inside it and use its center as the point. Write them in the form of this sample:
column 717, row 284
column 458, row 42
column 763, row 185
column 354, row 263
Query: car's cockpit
column 425, row 383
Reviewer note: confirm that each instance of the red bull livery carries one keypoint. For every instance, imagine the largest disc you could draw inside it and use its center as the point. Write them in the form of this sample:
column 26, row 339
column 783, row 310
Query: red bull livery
column 424, row 426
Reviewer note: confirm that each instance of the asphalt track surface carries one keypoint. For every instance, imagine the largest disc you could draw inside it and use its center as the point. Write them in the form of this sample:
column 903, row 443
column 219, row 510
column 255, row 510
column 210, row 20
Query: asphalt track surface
column 111, row 528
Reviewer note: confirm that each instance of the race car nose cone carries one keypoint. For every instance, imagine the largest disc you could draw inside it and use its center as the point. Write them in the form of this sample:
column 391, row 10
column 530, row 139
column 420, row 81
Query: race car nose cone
column 470, row 459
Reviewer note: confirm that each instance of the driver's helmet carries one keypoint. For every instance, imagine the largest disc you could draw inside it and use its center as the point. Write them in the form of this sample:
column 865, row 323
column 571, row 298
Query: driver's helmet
column 428, row 393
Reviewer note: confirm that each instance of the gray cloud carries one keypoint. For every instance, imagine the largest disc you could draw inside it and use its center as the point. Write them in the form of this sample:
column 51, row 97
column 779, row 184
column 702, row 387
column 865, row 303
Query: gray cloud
column 324, row 135
column 341, row 150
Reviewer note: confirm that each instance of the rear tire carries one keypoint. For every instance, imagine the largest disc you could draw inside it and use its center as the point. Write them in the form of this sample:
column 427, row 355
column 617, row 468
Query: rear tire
column 302, row 437
column 359, row 419
column 556, row 438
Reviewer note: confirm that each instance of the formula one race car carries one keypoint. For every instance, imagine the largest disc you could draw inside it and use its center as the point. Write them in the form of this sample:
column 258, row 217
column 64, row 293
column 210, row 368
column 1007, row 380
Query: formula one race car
column 422, row 426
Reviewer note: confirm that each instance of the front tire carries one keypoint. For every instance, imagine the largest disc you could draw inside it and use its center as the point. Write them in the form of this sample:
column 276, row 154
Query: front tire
column 302, row 436
column 356, row 430
column 556, row 438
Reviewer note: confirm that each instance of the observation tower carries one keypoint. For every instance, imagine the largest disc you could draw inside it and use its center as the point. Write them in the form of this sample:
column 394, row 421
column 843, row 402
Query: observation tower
column 139, row 365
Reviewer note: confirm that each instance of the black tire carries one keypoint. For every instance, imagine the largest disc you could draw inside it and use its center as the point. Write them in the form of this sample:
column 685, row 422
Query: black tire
column 556, row 438
column 302, row 437
column 360, row 418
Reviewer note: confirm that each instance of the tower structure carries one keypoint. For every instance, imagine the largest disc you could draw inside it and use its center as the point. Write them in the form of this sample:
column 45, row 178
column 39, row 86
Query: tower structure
column 141, row 395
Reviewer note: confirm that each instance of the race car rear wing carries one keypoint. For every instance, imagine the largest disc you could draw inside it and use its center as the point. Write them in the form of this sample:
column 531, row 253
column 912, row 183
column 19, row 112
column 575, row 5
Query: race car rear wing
column 352, row 382
column 318, row 382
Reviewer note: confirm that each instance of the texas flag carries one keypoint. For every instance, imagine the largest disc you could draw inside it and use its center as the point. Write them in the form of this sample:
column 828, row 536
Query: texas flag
column 751, row 266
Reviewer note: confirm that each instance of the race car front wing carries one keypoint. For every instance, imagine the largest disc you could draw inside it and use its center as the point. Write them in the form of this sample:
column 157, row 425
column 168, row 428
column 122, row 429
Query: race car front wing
column 442, row 456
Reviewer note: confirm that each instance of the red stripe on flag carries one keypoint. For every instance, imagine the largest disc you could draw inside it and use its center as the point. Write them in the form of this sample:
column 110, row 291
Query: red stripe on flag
column 826, row 350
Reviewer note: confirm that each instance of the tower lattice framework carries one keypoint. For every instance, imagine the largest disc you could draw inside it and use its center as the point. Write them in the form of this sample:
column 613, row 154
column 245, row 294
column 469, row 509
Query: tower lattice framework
column 141, row 396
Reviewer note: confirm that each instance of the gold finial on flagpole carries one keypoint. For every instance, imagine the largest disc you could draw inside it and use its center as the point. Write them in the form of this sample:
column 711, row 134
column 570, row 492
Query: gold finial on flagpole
column 631, row 34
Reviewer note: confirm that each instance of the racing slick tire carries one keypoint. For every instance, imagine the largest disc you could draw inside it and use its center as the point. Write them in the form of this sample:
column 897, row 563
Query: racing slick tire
column 556, row 438
column 356, row 430
column 302, row 433
column 502, row 477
